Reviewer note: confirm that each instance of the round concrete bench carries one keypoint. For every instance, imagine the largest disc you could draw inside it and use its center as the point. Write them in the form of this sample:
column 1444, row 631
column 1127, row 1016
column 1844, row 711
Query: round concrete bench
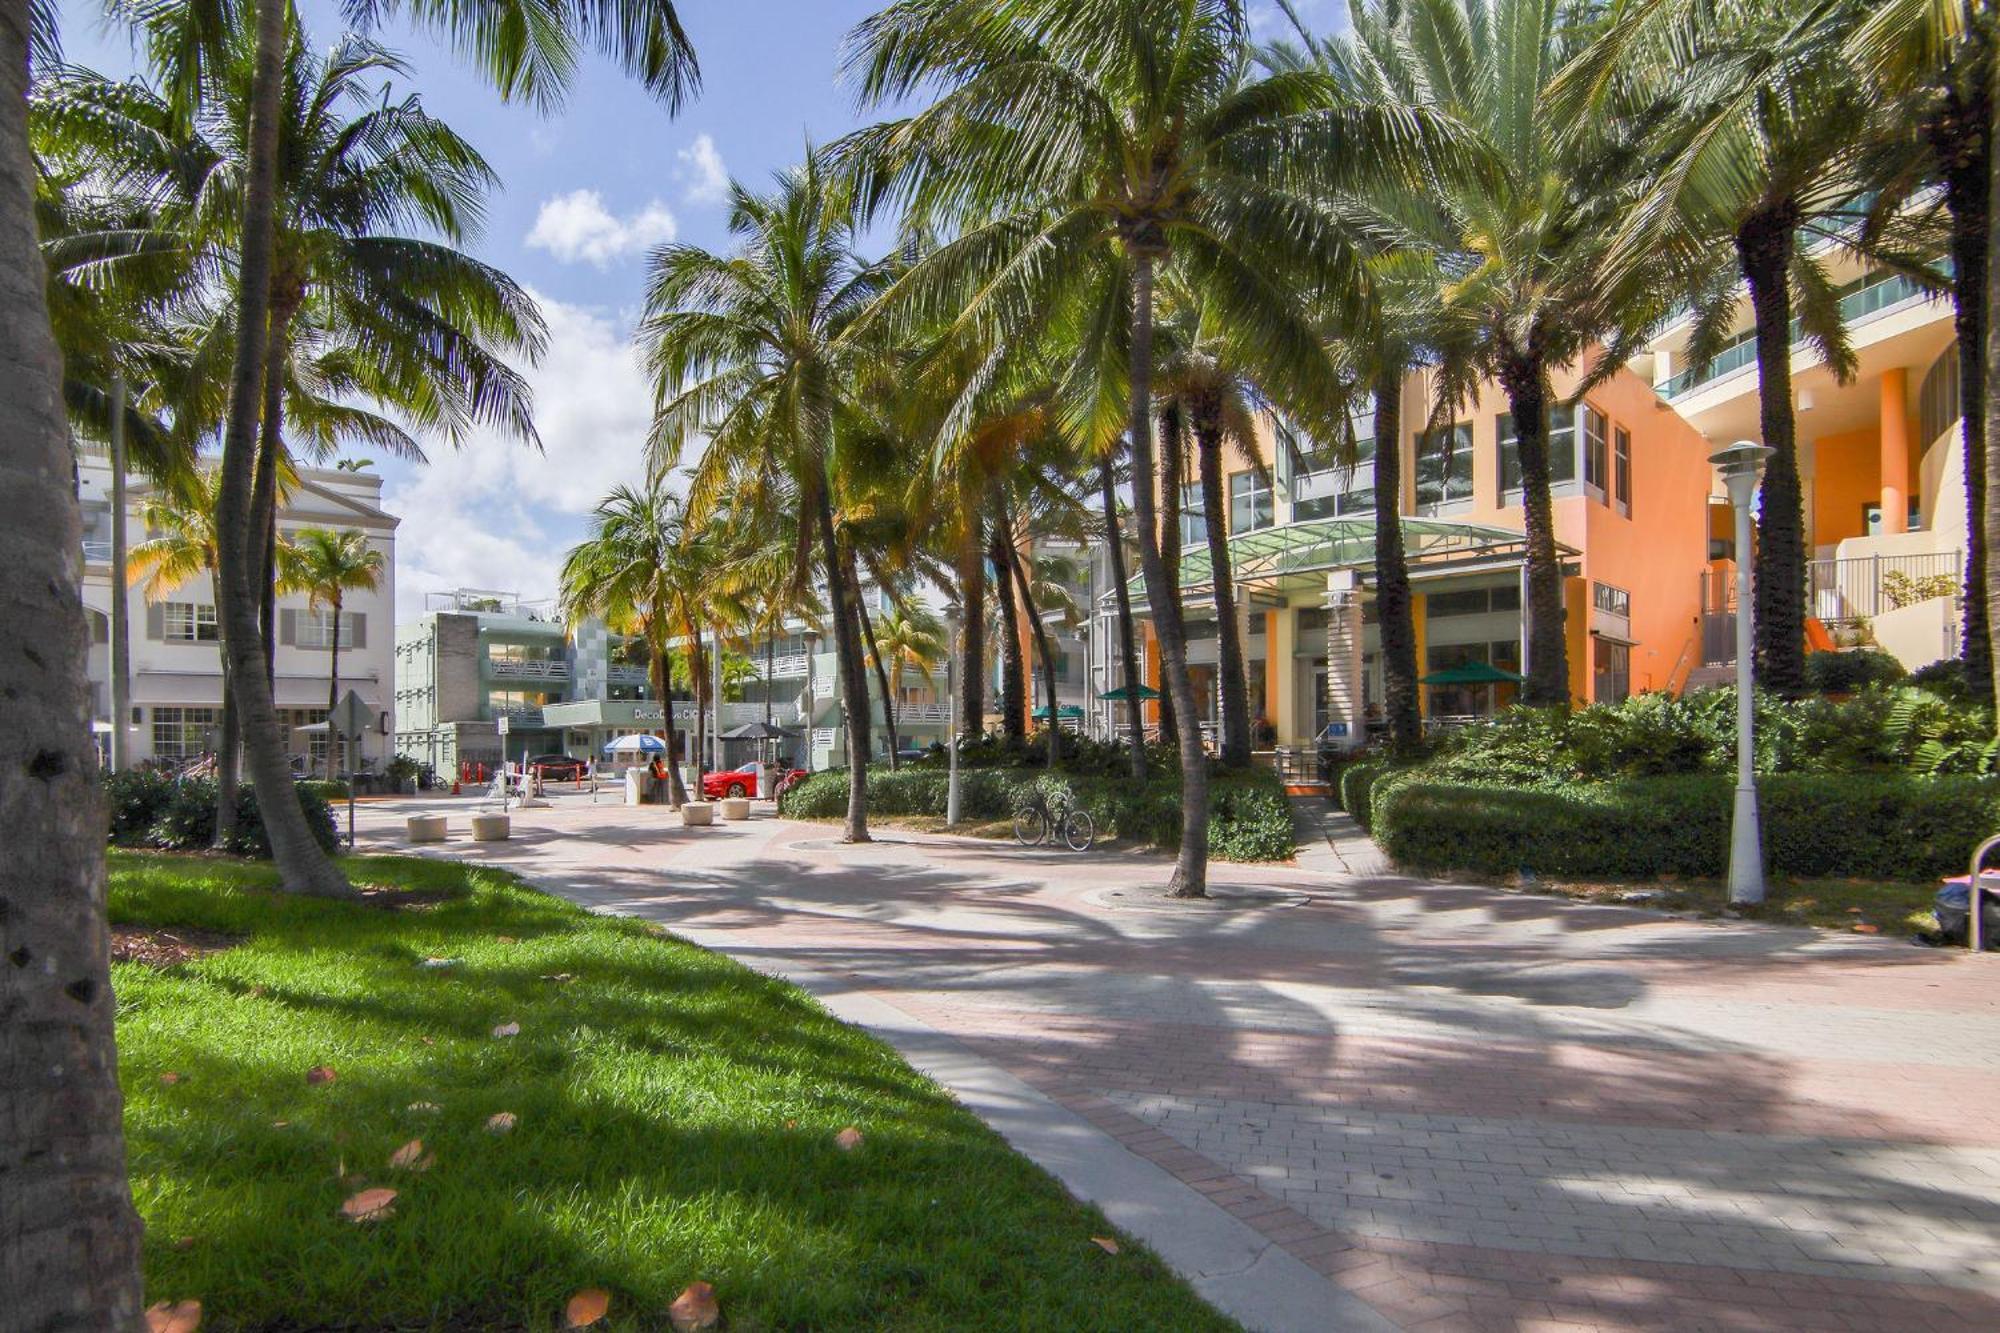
column 697, row 814
column 736, row 807
column 490, row 828
column 424, row 828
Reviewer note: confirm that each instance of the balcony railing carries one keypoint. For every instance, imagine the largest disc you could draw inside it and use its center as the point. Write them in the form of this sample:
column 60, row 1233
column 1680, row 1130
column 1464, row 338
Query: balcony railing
column 1874, row 293
column 514, row 669
column 785, row 666
column 97, row 553
column 1841, row 592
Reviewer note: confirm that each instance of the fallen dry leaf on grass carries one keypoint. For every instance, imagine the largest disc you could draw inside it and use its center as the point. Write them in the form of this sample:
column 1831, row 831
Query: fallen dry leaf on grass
column 369, row 1205
column 560, row 977
column 425, row 1108
column 1863, row 928
column 694, row 1309
column 500, row 1122
column 587, row 1307
column 174, row 1317
column 848, row 1139
column 1105, row 1243
column 280, row 1124
column 184, row 1243
column 411, row 1157
column 320, row 1074
column 505, row 939
column 170, row 1078
column 507, row 1030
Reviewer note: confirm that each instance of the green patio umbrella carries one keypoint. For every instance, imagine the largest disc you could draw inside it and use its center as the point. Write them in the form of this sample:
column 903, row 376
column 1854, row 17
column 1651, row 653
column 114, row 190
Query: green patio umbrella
column 1473, row 673
column 1117, row 696
column 1066, row 711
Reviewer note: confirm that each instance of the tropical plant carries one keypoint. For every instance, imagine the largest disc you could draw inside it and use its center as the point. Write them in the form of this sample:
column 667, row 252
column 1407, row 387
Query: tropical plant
column 753, row 350
column 622, row 573
column 910, row 638
column 1079, row 147
column 326, row 565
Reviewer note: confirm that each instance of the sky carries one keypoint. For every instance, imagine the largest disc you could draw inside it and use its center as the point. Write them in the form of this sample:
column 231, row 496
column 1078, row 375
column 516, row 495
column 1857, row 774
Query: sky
column 586, row 192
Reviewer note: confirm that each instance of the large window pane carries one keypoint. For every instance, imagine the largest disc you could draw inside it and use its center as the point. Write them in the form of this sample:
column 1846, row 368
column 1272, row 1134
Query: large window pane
column 1250, row 503
column 1444, row 466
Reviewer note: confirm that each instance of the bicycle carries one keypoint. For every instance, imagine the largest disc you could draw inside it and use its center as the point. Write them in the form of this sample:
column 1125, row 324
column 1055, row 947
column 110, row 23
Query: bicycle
column 1039, row 822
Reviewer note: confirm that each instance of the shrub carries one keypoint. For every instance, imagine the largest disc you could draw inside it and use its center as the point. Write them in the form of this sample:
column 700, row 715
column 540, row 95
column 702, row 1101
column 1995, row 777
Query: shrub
column 1357, row 782
column 328, row 790
column 1844, row 673
column 1881, row 826
column 1250, row 819
column 1945, row 678
column 150, row 809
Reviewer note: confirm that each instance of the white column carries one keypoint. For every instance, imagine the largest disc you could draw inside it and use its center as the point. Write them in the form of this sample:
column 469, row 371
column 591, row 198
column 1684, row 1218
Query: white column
column 1343, row 656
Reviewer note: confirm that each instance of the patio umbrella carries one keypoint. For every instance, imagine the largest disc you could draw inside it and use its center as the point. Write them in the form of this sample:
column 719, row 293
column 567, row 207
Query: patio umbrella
column 756, row 731
column 637, row 742
column 1473, row 673
column 1118, row 695
column 1066, row 711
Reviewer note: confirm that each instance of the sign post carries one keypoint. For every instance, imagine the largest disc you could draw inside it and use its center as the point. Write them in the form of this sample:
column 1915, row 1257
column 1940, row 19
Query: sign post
column 501, row 724
column 349, row 722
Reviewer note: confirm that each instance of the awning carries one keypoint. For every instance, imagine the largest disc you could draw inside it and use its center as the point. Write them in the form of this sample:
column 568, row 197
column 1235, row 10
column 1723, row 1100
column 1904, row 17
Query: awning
column 1066, row 711
column 1117, row 696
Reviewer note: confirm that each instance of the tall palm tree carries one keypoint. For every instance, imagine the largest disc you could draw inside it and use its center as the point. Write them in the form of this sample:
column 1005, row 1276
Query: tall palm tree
column 909, row 637
column 622, row 574
column 1760, row 129
column 326, row 565
column 1071, row 137
column 752, row 350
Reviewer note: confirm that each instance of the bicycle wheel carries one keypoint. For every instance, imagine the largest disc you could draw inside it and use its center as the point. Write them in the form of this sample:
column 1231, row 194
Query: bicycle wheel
column 1079, row 831
column 1031, row 827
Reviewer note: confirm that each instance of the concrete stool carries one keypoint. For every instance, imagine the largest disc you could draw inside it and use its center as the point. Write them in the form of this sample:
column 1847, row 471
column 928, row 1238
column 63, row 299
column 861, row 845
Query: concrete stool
column 490, row 828
column 697, row 814
column 424, row 828
column 736, row 807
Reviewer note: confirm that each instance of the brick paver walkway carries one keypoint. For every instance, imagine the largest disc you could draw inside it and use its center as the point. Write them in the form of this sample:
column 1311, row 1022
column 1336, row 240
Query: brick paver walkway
column 1471, row 1108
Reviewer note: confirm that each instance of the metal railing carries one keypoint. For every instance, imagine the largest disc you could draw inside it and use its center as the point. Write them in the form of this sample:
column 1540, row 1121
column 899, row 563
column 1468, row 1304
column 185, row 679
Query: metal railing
column 1871, row 295
column 1840, row 592
column 515, row 669
column 785, row 666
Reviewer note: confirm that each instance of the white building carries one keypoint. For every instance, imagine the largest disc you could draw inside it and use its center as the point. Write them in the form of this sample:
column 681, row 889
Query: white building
column 176, row 663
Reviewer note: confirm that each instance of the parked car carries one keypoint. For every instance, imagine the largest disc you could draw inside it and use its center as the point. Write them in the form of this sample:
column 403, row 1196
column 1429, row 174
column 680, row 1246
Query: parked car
column 558, row 767
column 740, row 782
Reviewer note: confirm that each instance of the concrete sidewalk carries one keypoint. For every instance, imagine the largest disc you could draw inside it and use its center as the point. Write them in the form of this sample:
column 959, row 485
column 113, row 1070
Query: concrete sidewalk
column 1405, row 1104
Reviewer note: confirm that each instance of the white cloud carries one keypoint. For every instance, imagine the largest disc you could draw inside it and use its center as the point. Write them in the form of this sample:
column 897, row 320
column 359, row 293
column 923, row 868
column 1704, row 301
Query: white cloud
column 577, row 226
column 498, row 514
column 703, row 170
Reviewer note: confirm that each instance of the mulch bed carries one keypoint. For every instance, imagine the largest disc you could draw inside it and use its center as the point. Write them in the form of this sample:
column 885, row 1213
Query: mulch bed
column 167, row 948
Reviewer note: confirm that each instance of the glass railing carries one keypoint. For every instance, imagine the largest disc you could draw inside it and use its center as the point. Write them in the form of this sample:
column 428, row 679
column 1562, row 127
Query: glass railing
column 1867, row 296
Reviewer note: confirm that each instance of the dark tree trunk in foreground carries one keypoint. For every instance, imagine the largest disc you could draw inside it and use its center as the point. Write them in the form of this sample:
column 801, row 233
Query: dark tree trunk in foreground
column 1989, row 521
column 1235, row 688
column 1525, row 380
column 1764, row 249
column 972, row 646
column 69, row 1237
column 875, row 657
column 847, row 652
column 1135, row 726
column 1393, row 606
column 333, row 695
column 1964, row 150
column 1190, row 877
column 302, row 866
column 1045, row 650
column 676, row 788
column 1172, row 501
column 1013, row 672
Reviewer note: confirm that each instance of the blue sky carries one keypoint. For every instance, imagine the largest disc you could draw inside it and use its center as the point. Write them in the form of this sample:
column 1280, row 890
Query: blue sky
column 586, row 191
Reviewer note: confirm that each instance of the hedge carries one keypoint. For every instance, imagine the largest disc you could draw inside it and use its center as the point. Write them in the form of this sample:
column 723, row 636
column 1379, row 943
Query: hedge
column 148, row 808
column 1862, row 825
column 1250, row 818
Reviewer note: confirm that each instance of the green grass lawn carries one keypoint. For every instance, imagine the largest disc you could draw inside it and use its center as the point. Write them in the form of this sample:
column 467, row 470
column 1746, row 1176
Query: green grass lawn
column 676, row 1121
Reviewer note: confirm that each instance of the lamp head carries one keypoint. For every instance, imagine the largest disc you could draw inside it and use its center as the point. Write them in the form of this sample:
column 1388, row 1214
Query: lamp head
column 1741, row 465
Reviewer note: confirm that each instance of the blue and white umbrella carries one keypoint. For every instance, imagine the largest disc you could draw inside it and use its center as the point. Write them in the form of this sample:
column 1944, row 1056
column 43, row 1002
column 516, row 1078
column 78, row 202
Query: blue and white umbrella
column 637, row 742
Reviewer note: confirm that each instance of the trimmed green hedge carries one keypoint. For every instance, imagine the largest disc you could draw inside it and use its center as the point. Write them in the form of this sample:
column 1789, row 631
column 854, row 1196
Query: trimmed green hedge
column 1860, row 825
column 1250, row 818
column 148, row 808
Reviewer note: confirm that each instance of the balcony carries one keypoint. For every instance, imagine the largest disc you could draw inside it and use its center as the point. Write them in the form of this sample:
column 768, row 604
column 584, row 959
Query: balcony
column 785, row 666
column 515, row 669
column 1846, row 592
column 629, row 675
column 1868, row 296
column 97, row 553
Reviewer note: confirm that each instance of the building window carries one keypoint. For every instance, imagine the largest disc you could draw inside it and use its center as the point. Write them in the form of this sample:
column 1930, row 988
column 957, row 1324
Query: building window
column 315, row 630
column 189, row 622
column 1472, row 601
column 1612, row 601
column 1330, row 491
column 1194, row 517
column 315, row 741
column 1613, row 671
column 1621, row 471
column 1472, row 700
column 1250, row 504
column 1444, row 467
column 183, row 733
column 1562, row 451
column 1596, row 451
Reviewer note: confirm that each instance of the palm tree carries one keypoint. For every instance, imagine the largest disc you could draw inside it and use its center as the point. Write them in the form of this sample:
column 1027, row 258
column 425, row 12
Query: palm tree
column 908, row 636
column 1760, row 130
column 752, row 350
column 326, row 566
column 1070, row 139
column 622, row 574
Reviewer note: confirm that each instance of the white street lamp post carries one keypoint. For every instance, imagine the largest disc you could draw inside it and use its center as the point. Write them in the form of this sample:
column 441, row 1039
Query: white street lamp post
column 1742, row 466
column 951, row 617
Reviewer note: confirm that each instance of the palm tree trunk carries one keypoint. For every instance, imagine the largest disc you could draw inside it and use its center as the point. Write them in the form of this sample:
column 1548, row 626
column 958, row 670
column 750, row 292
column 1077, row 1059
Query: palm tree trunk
column 1764, row 250
column 875, row 656
column 228, row 760
column 1013, row 675
column 770, row 658
column 1047, row 654
column 263, row 520
column 1959, row 140
column 972, row 647
column 302, row 866
column 1525, row 380
column 69, row 1237
column 1229, row 636
column 1172, row 502
column 1190, row 877
column 698, row 687
column 1128, row 646
column 676, row 789
column 332, row 694
column 1392, row 570
column 1988, row 521
column 847, row 651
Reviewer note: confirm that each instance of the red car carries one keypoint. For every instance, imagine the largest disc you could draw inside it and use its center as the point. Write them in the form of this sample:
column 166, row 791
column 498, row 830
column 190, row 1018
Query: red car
column 740, row 782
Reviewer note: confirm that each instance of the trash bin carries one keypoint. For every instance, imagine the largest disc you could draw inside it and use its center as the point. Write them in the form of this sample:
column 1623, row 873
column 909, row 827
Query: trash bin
column 1950, row 909
column 635, row 786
